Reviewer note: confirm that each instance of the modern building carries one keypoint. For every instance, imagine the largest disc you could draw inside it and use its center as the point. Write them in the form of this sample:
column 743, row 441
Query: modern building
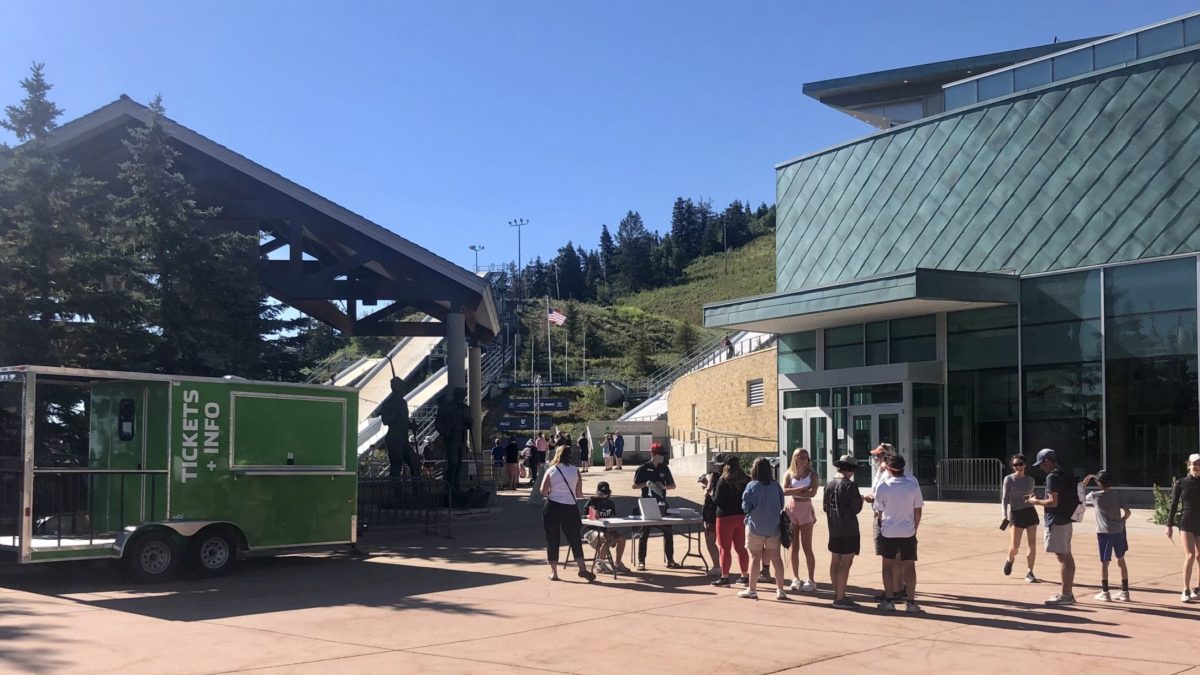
column 1010, row 263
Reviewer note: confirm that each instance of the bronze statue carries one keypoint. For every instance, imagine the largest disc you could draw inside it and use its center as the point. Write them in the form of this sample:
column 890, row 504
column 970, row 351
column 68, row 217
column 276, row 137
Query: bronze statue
column 394, row 414
column 453, row 418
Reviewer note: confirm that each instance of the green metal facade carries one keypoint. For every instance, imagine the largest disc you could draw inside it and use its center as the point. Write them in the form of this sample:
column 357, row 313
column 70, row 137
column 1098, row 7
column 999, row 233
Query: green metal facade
column 1089, row 171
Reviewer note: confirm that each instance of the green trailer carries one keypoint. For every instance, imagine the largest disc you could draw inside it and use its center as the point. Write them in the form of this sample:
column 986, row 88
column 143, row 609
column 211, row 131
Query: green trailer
column 159, row 470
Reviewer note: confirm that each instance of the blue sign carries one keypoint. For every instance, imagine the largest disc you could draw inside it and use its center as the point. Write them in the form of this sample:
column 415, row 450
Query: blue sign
column 526, row 404
column 516, row 423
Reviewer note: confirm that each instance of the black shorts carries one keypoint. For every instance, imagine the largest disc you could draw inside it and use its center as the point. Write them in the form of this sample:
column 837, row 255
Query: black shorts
column 1024, row 518
column 844, row 545
column 905, row 547
column 878, row 536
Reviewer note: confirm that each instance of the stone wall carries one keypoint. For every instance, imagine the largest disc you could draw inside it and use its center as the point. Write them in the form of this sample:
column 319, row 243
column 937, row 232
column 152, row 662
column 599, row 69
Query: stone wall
column 724, row 421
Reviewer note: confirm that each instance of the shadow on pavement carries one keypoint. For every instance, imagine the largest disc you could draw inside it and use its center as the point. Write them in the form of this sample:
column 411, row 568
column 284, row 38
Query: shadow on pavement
column 263, row 585
column 16, row 626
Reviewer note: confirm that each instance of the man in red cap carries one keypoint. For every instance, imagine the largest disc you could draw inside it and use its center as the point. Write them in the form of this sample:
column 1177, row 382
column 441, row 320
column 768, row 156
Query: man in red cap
column 654, row 479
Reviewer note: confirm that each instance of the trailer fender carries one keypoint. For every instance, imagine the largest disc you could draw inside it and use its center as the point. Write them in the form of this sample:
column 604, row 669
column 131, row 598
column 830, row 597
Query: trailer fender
column 183, row 528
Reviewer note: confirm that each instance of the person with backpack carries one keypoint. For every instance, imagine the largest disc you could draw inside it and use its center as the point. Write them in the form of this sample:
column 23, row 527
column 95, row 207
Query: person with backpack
column 708, row 513
column 731, row 520
column 1060, row 502
column 763, row 503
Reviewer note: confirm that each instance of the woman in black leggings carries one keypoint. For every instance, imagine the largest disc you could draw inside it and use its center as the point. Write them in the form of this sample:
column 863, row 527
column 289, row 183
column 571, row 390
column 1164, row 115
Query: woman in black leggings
column 1187, row 494
column 561, row 486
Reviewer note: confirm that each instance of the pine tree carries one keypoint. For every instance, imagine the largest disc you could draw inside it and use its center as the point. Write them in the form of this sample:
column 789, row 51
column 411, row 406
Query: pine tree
column 685, row 338
column 49, row 218
column 685, row 233
column 635, row 246
column 608, row 255
column 209, row 311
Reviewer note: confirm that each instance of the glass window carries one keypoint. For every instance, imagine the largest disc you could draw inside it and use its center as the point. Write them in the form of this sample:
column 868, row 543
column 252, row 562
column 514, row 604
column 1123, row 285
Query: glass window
column 996, row 85
column 914, row 339
column 926, row 430
column 840, row 399
column 877, row 343
column 844, row 347
column 982, row 338
column 872, row 394
column 1060, row 297
column 1150, row 371
column 1160, row 39
column 1073, row 63
column 960, row 95
column 1033, row 75
column 806, row 398
column 1115, row 52
column 1060, row 352
column 798, row 352
column 983, row 407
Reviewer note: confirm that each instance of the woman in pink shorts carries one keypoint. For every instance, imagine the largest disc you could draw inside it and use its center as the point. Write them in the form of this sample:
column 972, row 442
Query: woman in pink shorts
column 800, row 486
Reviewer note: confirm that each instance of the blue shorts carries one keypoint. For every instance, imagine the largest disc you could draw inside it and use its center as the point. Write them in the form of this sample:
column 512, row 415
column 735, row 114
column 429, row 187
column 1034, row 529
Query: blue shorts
column 619, row 451
column 1116, row 542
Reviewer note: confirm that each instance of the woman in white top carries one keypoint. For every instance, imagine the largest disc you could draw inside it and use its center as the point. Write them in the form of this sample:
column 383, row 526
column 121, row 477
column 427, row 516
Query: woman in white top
column 800, row 486
column 561, row 486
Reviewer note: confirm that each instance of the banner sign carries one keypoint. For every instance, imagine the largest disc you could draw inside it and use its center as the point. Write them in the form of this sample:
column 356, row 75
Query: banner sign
column 516, row 423
column 526, row 404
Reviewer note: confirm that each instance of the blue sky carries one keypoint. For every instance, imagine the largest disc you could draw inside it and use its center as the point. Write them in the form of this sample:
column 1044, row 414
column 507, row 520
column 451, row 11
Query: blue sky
column 444, row 120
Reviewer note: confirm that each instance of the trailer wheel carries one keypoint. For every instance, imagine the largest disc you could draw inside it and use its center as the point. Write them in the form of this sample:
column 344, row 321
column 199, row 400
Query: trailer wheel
column 212, row 552
column 152, row 557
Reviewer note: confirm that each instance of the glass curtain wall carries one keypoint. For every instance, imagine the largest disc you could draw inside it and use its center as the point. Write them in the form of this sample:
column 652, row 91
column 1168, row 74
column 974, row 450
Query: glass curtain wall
column 1061, row 358
column 982, row 388
column 1150, row 370
column 798, row 352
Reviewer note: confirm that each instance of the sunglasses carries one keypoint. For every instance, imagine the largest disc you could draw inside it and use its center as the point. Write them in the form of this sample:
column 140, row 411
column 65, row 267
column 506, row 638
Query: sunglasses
column 1018, row 464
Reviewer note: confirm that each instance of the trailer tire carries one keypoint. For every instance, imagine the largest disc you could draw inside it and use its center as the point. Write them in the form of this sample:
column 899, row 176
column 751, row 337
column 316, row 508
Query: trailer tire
column 212, row 552
column 153, row 556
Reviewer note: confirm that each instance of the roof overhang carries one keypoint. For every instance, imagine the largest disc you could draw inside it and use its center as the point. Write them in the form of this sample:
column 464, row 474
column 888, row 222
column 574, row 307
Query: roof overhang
column 889, row 296
column 320, row 258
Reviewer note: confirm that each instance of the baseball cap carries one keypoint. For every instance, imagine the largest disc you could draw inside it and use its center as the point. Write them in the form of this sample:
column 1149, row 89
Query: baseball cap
column 603, row 488
column 896, row 462
column 1103, row 477
column 881, row 449
column 1046, row 454
column 657, row 449
column 1194, row 457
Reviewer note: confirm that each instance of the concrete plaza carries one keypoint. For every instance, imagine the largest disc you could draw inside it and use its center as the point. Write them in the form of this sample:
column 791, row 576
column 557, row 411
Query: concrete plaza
column 481, row 602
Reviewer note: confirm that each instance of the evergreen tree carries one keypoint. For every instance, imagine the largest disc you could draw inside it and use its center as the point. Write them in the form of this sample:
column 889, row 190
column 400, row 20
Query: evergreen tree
column 593, row 278
column 685, row 233
column 210, row 313
column 735, row 221
column 50, row 217
column 569, row 283
column 685, row 338
column 635, row 246
column 608, row 255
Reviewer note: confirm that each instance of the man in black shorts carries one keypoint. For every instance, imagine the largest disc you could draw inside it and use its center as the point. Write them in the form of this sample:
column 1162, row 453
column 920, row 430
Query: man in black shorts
column 898, row 503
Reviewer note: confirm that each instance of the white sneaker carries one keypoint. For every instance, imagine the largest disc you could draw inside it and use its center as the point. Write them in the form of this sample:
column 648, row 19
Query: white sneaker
column 1186, row 596
column 1123, row 596
column 913, row 608
column 809, row 586
column 781, row 595
column 1060, row 599
column 749, row 594
column 886, row 606
column 1030, row 578
column 603, row 567
column 796, row 585
column 1103, row 596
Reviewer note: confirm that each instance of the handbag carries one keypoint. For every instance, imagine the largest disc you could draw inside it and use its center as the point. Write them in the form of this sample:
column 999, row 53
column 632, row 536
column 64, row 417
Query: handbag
column 785, row 524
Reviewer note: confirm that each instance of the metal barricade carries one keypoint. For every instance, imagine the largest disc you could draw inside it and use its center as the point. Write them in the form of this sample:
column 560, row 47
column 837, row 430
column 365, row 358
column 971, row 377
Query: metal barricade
column 971, row 474
column 403, row 501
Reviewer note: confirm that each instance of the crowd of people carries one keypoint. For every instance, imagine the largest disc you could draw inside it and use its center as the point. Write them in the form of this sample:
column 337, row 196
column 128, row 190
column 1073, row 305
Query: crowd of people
column 754, row 516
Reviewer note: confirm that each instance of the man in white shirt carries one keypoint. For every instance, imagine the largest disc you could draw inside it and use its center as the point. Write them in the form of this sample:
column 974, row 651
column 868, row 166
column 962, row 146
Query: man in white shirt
column 898, row 503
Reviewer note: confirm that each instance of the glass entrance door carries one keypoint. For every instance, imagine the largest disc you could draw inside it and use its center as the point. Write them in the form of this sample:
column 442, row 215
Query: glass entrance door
column 808, row 428
column 872, row 425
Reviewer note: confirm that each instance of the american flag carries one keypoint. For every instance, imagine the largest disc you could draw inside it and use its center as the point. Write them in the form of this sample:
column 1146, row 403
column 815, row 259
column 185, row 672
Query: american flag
column 555, row 317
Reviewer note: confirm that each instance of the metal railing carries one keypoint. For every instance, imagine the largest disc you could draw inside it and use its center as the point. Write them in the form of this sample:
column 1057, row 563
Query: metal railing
column 972, row 474
column 712, row 441
column 709, row 354
column 89, row 504
column 403, row 501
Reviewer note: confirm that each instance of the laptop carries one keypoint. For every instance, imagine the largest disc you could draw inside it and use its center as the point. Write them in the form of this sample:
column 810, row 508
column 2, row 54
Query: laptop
column 649, row 508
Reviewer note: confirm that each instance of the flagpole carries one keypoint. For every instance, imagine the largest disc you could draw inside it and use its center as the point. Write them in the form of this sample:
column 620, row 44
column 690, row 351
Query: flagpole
column 584, row 350
column 549, row 345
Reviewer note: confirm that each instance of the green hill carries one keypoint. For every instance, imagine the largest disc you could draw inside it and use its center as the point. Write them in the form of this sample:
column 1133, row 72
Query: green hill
column 750, row 271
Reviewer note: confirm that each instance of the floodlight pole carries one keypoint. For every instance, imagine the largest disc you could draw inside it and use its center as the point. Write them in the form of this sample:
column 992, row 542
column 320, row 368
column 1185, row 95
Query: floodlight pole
column 519, row 223
column 476, row 248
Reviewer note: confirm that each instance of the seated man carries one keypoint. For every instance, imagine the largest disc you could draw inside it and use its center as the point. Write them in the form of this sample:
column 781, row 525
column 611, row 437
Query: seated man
column 602, row 506
column 654, row 479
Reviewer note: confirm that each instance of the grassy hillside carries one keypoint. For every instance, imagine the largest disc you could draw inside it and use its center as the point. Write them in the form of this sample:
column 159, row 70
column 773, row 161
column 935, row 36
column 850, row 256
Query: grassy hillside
column 751, row 272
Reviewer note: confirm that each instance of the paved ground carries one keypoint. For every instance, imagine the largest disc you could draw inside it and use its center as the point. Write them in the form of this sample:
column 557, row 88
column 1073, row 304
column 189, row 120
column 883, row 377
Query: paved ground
column 481, row 602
